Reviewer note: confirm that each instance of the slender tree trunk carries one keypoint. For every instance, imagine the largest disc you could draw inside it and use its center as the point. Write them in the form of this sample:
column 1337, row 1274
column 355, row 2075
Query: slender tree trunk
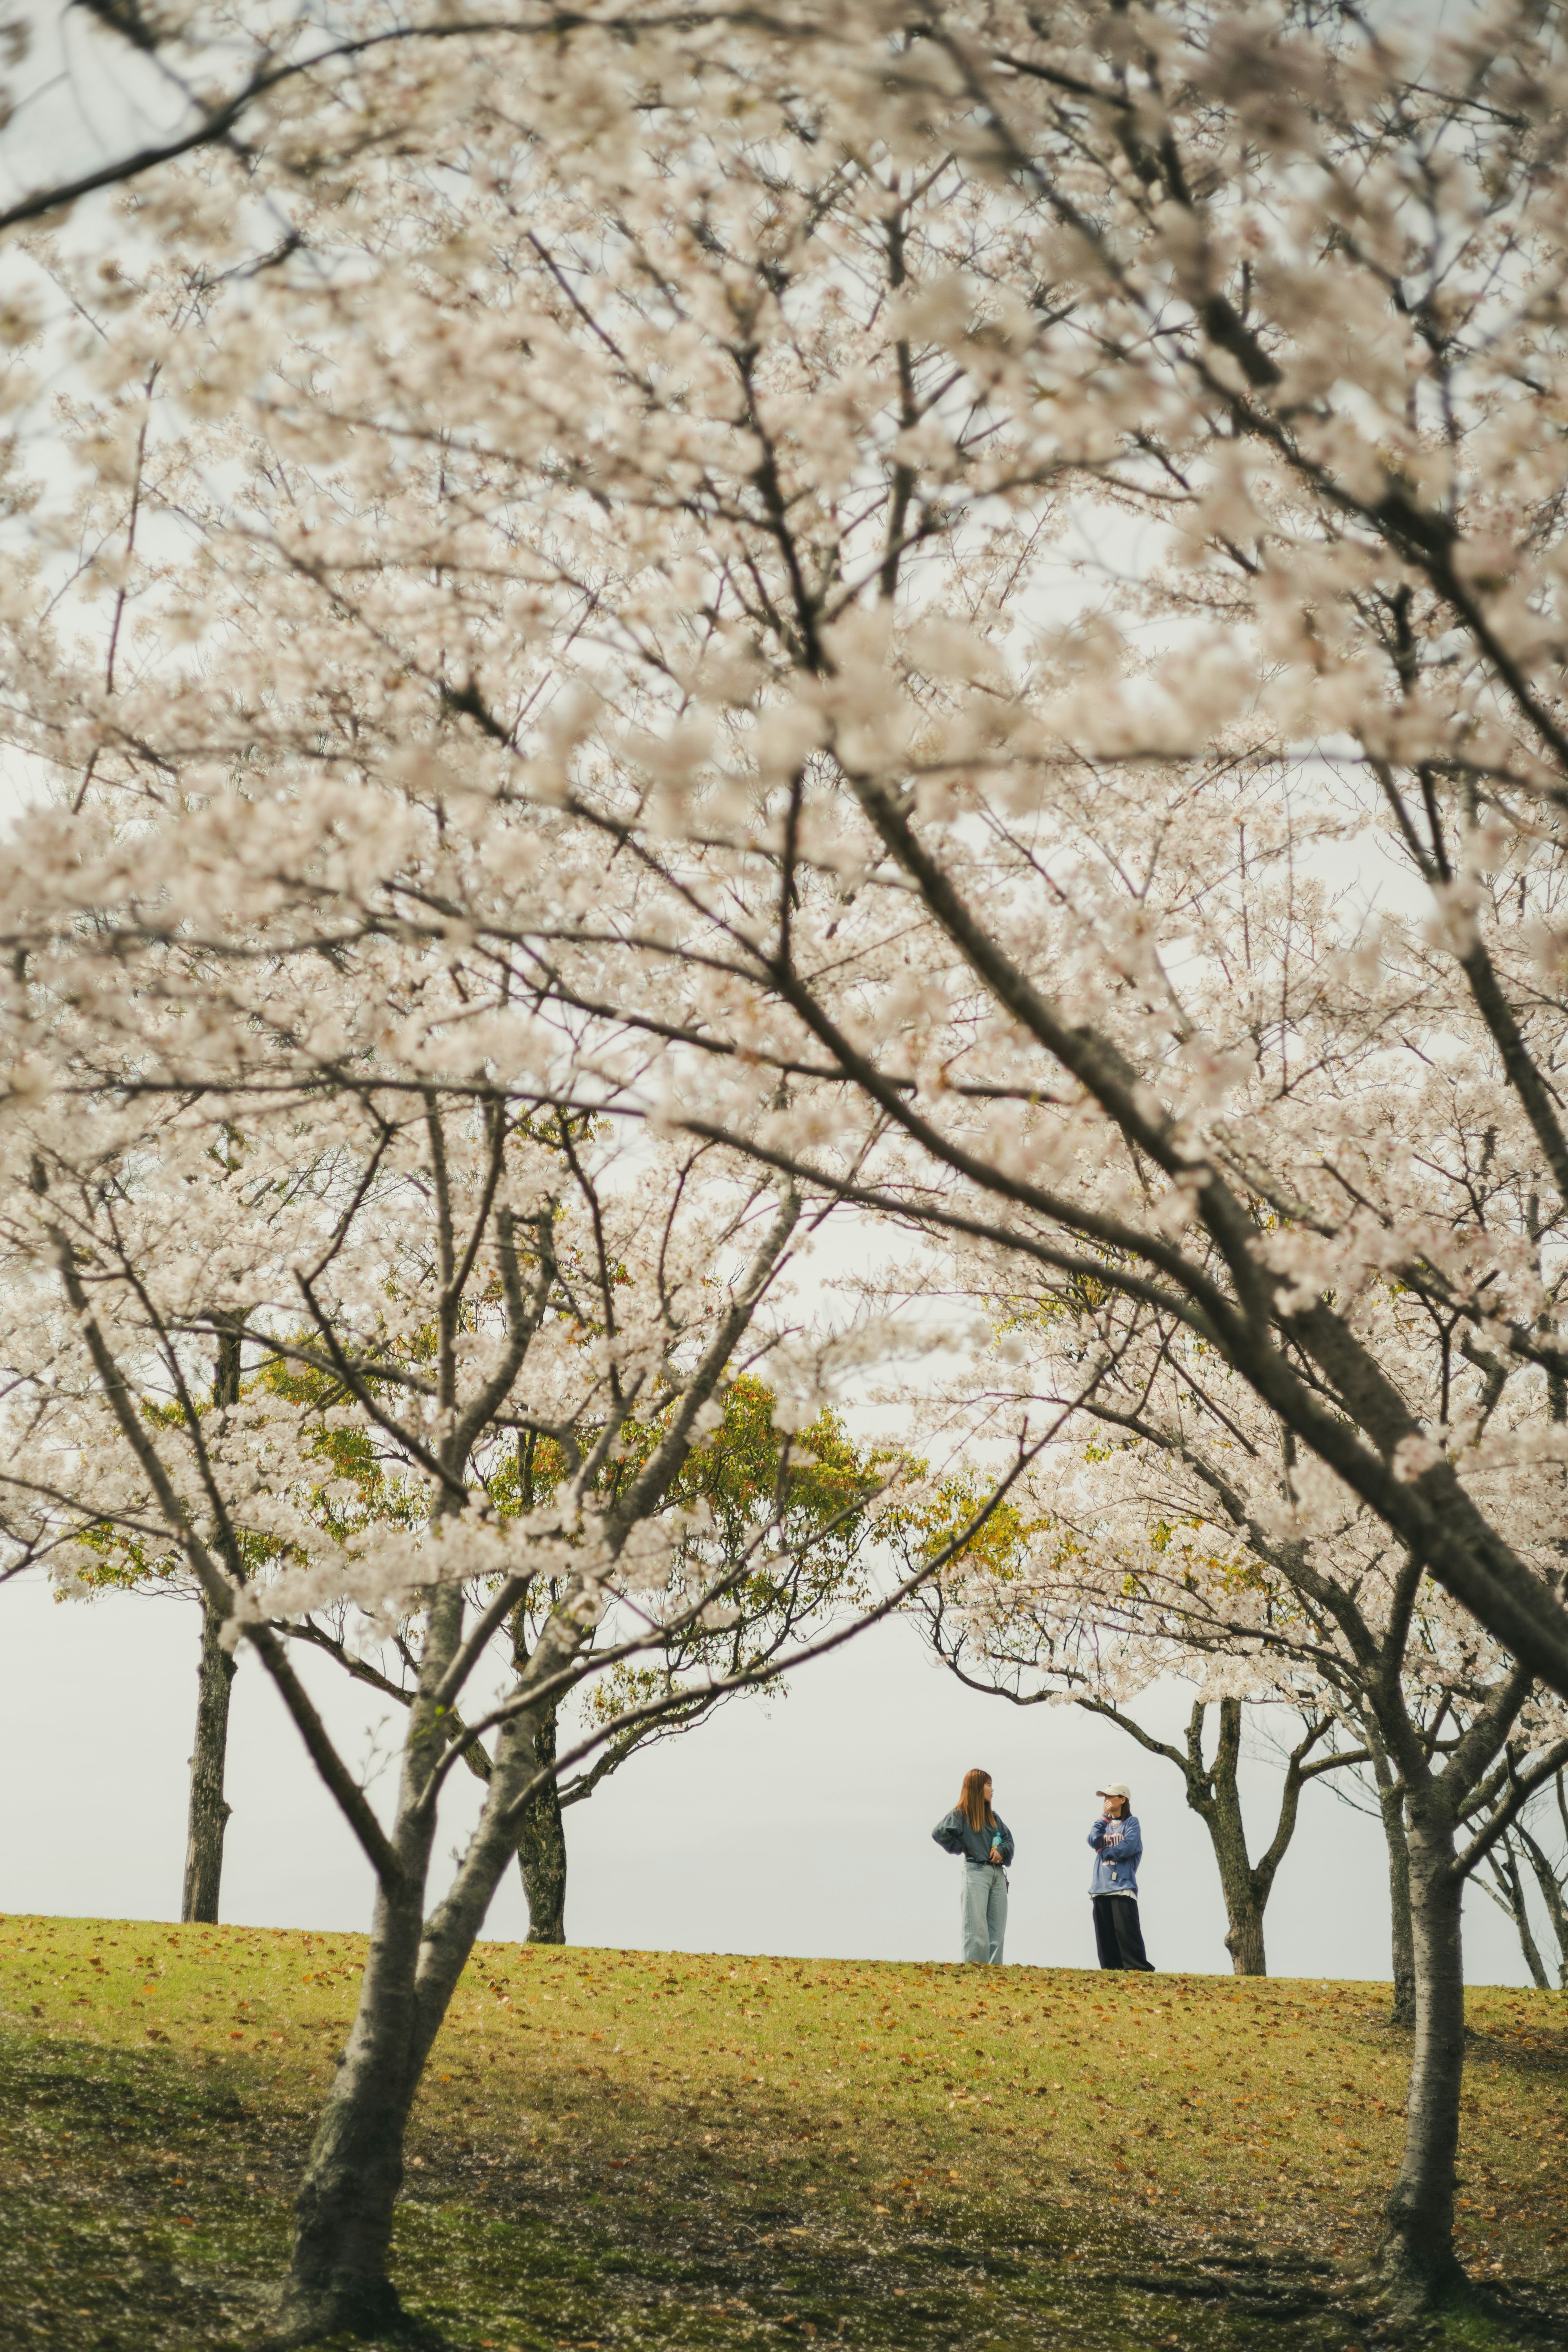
column 1507, row 1890
column 1244, row 1934
column 1221, row 1815
column 337, row 2279
column 209, row 1812
column 1417, row 2260
column 542, row 1847
column 1552, row 1894
column 1390, row 1803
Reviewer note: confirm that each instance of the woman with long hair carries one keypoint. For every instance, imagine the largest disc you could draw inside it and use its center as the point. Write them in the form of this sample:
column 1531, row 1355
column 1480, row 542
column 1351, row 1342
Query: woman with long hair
column 985, row 1843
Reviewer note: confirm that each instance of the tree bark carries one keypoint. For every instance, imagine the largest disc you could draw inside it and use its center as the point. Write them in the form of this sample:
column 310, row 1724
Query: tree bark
column 1551, row 1892
column 337, row 2276
column 1507, row 1890
column 1390, row 1805
column 1417, row 2261
column 337, row 2279
column 1221, row 1815
column 209, row 1810
column 542, row 1847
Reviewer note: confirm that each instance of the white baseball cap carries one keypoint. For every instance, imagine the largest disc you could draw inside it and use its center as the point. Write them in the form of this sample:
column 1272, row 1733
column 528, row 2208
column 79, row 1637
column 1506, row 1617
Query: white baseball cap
column 1117, row 1788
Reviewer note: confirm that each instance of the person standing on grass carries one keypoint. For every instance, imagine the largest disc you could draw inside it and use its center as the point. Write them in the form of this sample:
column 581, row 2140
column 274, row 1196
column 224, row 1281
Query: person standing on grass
column 1117, row 1843
column 985, row 1843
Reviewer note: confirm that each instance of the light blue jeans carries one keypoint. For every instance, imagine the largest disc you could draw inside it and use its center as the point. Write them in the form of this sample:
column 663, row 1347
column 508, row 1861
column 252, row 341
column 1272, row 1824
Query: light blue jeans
column 983, row 1911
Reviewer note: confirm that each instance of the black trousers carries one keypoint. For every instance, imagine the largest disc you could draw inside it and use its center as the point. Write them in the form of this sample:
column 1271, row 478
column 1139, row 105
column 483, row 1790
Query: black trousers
column 1117, row 1934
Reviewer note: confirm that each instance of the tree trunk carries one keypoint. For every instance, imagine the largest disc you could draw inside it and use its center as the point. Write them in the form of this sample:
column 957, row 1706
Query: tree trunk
column 542, row 1847
column 208, row 1811
column 1552, row 1891
column 1221, row 1817
column 337, row 2279
column 1244, row 1934
column 1507, row 1890
column 1417, row 2261
column 1390, row 1803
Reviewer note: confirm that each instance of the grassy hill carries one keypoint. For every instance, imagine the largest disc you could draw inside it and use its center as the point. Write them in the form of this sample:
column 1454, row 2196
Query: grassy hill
column 669, row 2150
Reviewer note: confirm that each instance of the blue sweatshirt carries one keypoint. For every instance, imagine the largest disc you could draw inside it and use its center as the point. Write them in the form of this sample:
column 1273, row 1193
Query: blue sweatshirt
column 1118, row 1847
column 953, row 1834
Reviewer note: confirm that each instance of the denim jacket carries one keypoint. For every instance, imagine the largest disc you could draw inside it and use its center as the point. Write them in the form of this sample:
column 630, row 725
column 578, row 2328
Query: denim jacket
column 953, row 1834
column 1118, row 1849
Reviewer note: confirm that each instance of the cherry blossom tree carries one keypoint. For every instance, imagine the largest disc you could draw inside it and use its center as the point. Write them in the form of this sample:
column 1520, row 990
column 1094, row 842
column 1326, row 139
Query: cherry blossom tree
column 747, row 1472
column 842, row 428
column 972, row 609
column 812, row 1486
column 1188, row 1536
column 467, row 1276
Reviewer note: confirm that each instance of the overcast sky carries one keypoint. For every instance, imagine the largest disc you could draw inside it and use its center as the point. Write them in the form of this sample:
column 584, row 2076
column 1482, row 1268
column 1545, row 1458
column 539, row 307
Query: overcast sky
column 793, row 1825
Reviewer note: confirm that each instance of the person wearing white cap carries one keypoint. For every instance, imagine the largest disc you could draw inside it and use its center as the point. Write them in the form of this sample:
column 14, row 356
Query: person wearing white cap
column 1117, row 1843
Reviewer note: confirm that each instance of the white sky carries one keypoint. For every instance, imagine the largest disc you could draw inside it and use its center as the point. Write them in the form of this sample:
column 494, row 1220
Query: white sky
column 798, row 1825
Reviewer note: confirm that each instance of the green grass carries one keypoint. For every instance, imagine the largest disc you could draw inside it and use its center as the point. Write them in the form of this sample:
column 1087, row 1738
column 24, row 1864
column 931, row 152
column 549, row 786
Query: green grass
column 664, row 2150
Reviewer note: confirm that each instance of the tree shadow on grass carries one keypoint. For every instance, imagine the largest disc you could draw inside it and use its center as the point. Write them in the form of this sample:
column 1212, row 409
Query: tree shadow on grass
column 148, row 2202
